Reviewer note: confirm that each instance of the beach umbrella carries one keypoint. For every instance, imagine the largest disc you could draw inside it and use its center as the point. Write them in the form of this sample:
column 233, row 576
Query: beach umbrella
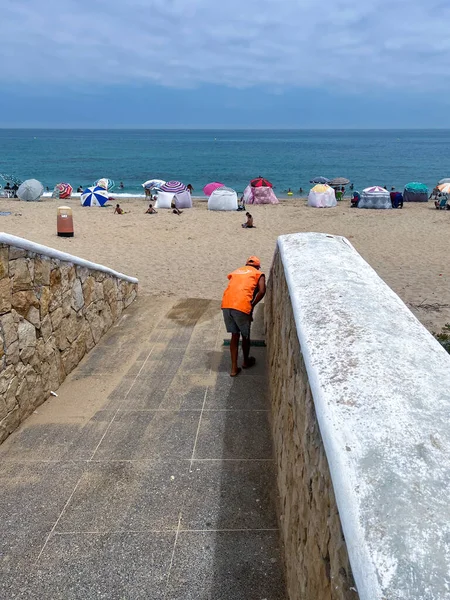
column 105, row 183
column 445, row 180
column 62, row 191
column 30, row 190
column 174, row 187
column 375, row 189
column 94, row 196
column 339, row 181
column 444, row 187
column 153, row 183
column 260, row 182
column 210, row 187
column 319, row 180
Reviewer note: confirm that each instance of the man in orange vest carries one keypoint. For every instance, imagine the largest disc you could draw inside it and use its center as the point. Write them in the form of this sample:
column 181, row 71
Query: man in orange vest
column 246, row 288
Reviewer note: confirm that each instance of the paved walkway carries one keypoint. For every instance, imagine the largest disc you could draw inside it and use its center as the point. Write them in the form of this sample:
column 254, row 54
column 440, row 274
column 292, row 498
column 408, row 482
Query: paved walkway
column 150, row 476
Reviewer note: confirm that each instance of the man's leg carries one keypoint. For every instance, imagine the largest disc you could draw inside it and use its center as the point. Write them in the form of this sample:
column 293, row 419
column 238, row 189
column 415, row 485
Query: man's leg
column 246, row 350
column 234, row 349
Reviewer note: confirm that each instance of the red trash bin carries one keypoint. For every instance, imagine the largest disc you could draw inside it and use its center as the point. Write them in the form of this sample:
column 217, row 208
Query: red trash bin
column 64, row 221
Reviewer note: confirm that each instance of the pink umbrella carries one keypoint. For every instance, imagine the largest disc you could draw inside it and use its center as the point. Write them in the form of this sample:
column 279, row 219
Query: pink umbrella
column 210, row 187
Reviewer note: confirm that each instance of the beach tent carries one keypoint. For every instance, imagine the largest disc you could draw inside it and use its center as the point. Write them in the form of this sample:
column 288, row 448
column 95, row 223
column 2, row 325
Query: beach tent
column 176, row 192
column 259, row 195
column 30, row 190
column 375, row 197
column 320, row 179
column 322, row 196
column 415, row 192
column 94, row 196
column 223, row 198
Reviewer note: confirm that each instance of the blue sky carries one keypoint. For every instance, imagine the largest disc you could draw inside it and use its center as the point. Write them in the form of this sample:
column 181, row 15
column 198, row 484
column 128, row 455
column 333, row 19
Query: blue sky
column 239, row 63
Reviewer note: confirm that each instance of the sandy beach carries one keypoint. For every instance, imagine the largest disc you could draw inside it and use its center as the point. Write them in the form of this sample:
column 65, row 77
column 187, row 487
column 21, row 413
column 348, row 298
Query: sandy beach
column 190, row 255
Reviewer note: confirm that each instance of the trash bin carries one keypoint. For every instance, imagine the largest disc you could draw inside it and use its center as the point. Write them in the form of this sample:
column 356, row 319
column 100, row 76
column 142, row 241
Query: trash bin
column 64, row 221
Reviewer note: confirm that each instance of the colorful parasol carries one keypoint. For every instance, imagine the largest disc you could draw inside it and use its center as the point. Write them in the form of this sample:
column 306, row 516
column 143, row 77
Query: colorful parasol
column 105, row 183
column 210, row 187
column 63, row 190
column 174, row 187
column 260, row 182
column 94, row 196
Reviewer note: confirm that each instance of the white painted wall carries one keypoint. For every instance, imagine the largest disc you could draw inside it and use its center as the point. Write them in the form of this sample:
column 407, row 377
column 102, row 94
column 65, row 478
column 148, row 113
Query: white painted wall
column 381, row 387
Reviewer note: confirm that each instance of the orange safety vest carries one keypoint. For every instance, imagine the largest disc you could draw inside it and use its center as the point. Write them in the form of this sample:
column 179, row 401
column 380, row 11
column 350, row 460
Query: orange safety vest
column 241, row 289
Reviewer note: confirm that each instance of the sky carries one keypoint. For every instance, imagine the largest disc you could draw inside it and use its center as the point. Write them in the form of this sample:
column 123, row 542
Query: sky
column 231, row 63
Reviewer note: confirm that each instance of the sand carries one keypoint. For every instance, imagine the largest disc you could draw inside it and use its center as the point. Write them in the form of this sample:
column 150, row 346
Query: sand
column 190, row 255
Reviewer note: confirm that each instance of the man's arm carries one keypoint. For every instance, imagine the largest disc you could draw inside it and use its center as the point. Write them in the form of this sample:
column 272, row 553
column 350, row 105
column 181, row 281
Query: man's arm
column 261, row 291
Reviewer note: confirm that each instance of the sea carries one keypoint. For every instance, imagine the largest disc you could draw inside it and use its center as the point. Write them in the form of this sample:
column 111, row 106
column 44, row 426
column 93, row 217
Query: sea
column 288, row 158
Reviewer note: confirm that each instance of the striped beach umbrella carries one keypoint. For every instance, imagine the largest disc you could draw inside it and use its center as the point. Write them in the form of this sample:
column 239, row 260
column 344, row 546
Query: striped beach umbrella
column 94, row 196
column 375, row 189
column 173, row 187
column 444, row 188
column 319, row 179
column 62, row 191
column 210, row 187
column 105, row 183
column 260, row 182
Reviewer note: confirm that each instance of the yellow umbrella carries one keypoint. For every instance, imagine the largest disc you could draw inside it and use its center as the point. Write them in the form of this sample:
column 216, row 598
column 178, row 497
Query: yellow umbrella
column 320, row 188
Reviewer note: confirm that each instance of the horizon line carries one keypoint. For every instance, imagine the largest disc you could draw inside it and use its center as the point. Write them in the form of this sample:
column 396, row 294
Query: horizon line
column 209, row 128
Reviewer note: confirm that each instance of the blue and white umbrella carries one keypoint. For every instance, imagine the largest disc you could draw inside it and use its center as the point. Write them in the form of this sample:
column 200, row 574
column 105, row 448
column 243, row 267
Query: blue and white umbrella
column 105, row 183
column 94, row 196
column 153, row 184
column 174, row 187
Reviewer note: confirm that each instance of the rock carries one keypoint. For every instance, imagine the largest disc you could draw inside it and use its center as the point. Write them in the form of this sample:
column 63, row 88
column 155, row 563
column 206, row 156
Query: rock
column 88, row 290
column 22, row 301
column 33, row 317
column 12, row 353
column 46, row 327
column 10, row 395
column 98, row 291
column 97, row 327
column 77, row 295
column 60, row 337
column 67, row 303
column 67, row 275
column 5, row 295
column 4, row 262
column 9, row 423
column 5, row 377
column 23, row 396
column 44, row 301
column 27, row 335
column 56, row 318
column 16, row 253
column 73, row 326
column 3, row 409
column 21, row 276
column 83, row 273
column 27, row 354
column 41, row 271
column 55, row 278
column 8, row 328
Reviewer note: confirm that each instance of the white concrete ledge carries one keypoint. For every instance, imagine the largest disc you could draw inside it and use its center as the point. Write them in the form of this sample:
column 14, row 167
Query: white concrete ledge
column 381, row 387
column 13, row 240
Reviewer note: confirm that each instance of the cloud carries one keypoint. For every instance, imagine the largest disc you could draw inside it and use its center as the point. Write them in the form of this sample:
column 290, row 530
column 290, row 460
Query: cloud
column 337, row 44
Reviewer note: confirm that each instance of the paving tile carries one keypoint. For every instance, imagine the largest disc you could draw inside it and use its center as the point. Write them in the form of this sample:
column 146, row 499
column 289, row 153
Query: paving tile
column 127, row 566
column 231, row 495
column 234, row 434
column 227, row 566
column 56, row 441
column 150, row 435
column 235, row 393
column 18, row 553
column 34, row 494
column 122, row 496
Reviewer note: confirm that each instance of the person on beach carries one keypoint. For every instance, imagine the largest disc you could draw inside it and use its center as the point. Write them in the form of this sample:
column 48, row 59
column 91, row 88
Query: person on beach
column 177, row 211
column 246, row 287
column 249, row 223
column 150, row 210
column 118, row 210
column 79, row 189
column 300, row 190
column 121, row 185
column 241, row 203
column 190, row 188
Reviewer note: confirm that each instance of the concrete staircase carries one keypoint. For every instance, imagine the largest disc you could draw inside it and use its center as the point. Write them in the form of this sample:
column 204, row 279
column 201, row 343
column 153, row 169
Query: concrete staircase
column 150, row 476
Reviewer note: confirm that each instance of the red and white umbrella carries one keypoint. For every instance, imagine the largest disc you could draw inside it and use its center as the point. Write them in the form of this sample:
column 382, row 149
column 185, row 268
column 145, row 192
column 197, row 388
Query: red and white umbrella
column 64, row 190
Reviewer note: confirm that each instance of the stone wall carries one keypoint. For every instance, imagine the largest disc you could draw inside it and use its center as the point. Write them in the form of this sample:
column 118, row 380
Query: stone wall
column 360, row 418
column 52, row 312
column 317, row 562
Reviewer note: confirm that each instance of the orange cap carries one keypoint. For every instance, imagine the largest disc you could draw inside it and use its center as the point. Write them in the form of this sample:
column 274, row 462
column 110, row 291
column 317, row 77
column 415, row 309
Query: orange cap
column 253, row 261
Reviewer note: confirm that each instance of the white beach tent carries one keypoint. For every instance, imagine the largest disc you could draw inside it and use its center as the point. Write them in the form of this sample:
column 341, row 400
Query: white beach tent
column 375, row 197
column 223, row 198
column 174, row 192
column 322, row 196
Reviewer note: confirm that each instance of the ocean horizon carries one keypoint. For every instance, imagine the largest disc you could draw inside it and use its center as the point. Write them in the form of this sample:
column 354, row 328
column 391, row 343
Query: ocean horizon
column 289, row 158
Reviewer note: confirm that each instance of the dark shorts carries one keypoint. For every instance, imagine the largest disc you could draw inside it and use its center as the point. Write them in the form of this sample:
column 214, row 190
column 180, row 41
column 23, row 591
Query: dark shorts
column 237, row 321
